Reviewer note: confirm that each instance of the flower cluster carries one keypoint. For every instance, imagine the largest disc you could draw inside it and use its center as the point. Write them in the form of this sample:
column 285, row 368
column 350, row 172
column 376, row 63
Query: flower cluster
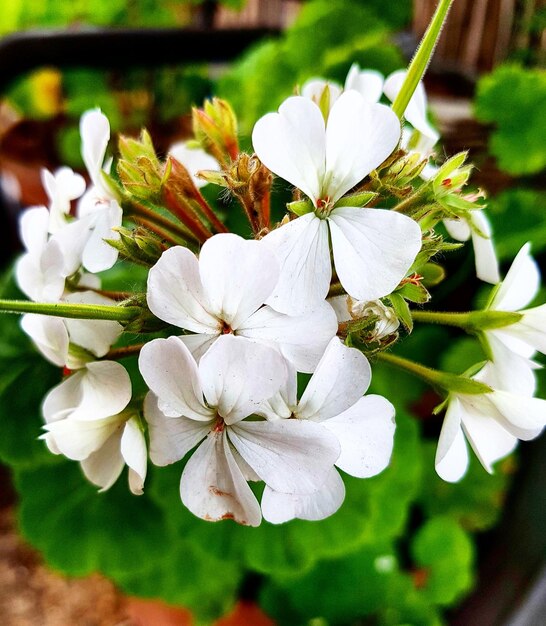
column 231, row 324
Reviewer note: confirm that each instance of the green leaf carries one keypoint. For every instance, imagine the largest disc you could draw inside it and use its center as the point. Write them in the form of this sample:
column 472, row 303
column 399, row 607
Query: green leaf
column 446, row 553
column 414, row 292
column 80, row 531
column 186, row 577
column 476, row 501
column 402, row 310
column 514, row 99
column 518, row 215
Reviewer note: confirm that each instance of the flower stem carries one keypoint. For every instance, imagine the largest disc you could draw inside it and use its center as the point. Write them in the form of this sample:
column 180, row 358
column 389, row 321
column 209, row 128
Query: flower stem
column 472, row 321
column 436, row 378
column 125, row 351
column 422, row 58
column 72, row 310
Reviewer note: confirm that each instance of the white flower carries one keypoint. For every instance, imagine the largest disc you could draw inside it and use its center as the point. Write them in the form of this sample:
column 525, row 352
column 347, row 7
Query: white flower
column 492, row 423
column 314, row 89
column 348, row 309
column 364, row 427
column 194, row 160
column 206, row 404
column 224, row 292
column 368, row 83
column 42, row 270
column 98, row 207
column 513, row 346
column 61, row 187
column 53, row 336
column 86, row 421
column 372, row 248
column 477, row 226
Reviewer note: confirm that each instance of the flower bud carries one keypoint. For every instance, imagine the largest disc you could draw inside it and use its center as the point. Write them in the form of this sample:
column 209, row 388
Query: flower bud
column 215, row 128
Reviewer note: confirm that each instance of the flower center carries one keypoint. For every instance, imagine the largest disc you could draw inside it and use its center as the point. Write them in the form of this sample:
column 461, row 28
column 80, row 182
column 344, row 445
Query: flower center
column 225, row 328
column 324, row 207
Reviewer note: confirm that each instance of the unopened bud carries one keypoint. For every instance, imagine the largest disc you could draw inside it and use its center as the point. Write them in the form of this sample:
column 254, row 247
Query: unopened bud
column 139, row 168
column 215, row 128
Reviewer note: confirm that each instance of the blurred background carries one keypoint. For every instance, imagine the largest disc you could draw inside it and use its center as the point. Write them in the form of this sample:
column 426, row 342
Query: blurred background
column 406, row 548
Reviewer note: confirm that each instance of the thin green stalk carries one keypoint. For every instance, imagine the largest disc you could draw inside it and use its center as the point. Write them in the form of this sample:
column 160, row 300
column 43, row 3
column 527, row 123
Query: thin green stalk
column 422, row 58
column 436, row 378
column 472, row 321
column 71, row 310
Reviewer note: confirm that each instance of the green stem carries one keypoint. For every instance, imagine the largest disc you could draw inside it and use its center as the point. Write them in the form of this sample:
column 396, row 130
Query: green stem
column 73, row 311
column 472, row 321
column 422, row 58
column 436, row 378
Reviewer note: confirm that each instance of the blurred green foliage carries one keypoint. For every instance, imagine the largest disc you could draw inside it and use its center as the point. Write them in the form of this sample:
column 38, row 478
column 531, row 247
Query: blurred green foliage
column 514, row 99
column 400, row 550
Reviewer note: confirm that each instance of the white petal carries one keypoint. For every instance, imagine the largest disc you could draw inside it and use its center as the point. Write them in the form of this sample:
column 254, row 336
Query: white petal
column 33, row 228
column 42, row 278
column 509, row 371
column 314, row 88
column 416, row 111
column 63, row 398
column 72, row 239
column 487, row 266
column 237, row 276
column 237, row 375
column 489, row 440
column 175, row 292
column 77, row 439
column 171, row 438
column 520, row 285
column 171, row 373
column 291, row 456
column 95, row 134
column 458, row 229
column 366, row 435
column 373, row 249
column 368, row 83
column 283, row 404
column 133, row 450
column 452, row 454
column 105, row 390
column 97, row 336
column 278, row 508
column 97, row 254
column 300, row 339
column 303, row 252
column 104, row 466
column 359, row 137
column 50, row 336
column 340, row 380
column 213, row 487
column 291, row 143
column 198, row 344
column 193, row 159
column 529, row 334
column 520, row 415
column 340, row 304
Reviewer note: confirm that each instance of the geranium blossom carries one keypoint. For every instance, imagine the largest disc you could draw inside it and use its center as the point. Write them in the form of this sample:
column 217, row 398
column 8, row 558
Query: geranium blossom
column 348, row 309
column 87, row 421
column 61, row 187
column 55, row 336
column 368, row 83
column 364, row 427
column 513, row 346
column 491, row 422
column 372, row 248
column 41, row 272
column 224, row 292
column 99, row 207
column 206, row 404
